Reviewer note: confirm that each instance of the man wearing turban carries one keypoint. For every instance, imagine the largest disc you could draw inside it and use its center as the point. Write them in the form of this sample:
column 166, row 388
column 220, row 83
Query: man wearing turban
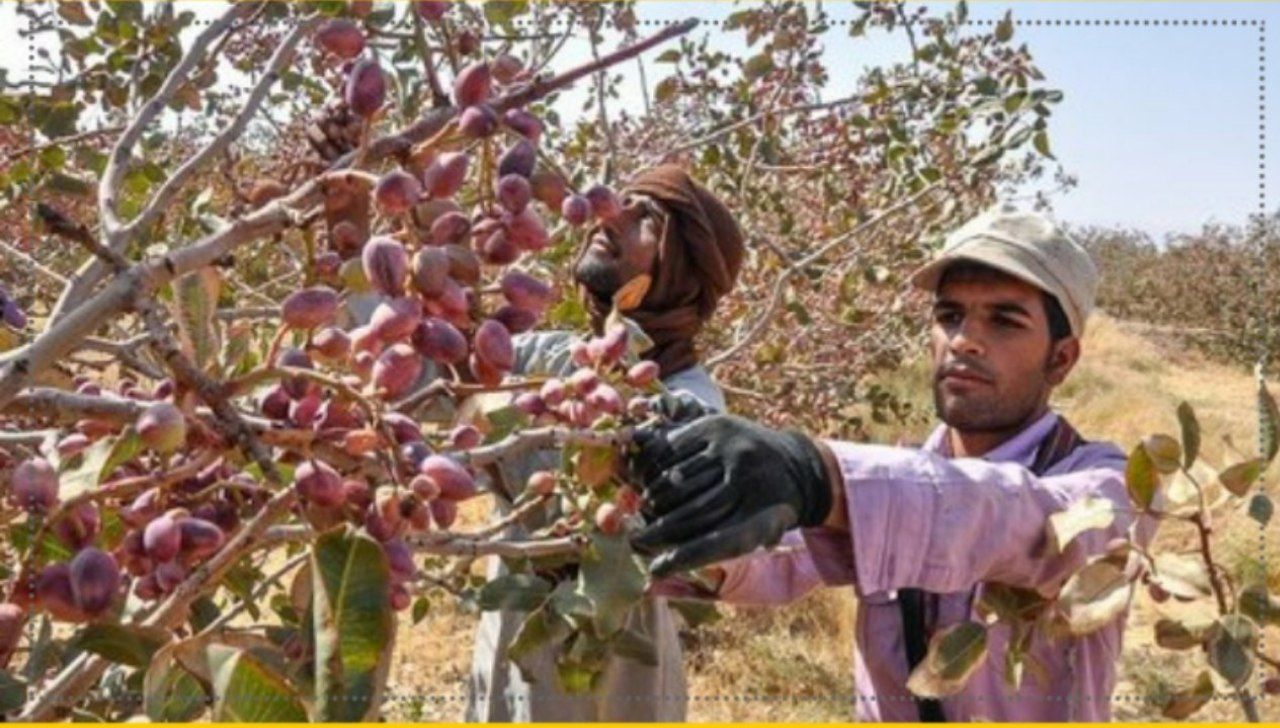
column 676, row 234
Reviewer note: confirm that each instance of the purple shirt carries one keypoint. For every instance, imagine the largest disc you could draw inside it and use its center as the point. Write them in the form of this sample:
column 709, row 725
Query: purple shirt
column 919, row 519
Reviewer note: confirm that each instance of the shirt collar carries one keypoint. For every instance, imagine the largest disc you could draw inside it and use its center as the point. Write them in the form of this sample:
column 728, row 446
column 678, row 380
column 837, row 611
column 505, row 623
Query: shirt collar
column 1021, row 448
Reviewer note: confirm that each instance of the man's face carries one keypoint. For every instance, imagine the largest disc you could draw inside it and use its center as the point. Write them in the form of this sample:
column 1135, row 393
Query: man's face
column 994, row 364
column 620, row 249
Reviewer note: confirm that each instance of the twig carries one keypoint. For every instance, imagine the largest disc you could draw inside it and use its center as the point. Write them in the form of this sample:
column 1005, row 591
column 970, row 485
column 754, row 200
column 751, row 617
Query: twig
column 443, row 387
column 258, row 593
column 515, row 516
column 436, row 119
column 770, row 108
column 545, row 437
column 33, row 263
column 61, row 141
column 727, row 128
column 906, row 24
column 19, row 367
column 124, row 353
column 64, row 227
column 1203, row 528
column 795, row 267
column 249, row 312
column 118, row 234
column 438, row 97
column 448, row 545
column 611, row 159
column 32, row 438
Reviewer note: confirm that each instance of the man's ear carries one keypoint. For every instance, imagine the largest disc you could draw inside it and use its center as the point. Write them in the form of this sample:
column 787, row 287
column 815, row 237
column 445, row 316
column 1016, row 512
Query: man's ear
column 1063, row 356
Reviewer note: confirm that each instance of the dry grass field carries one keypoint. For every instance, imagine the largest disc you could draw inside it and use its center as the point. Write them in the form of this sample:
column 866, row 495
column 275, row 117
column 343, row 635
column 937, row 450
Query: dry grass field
column 795, row 664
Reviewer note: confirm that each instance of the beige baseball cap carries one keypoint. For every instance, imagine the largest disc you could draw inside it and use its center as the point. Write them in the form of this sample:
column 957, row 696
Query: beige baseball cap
column 1025, row 245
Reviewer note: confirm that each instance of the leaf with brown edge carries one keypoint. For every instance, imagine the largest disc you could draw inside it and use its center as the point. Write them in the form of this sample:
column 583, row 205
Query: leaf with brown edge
column 195, row 307
column 1164, row 451
column 1141, row 478
column 1185, row 577
column 632, row 293
column 1008, row 603
column 1268, row 420
column 1240, row 476
column 1230, row 648
column 1087, row 514
column 1190, row 434
column 955, row 653
column 1178, row 634
column 1184, row 703
column 1095, row 595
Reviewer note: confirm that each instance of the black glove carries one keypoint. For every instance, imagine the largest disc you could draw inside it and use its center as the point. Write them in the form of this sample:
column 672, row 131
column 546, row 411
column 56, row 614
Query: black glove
column 673, row 410
column 723, row 486
column 678, row 407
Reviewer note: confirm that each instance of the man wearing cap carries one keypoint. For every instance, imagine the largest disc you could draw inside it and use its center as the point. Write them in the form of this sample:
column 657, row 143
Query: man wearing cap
column 919, row 532
column 677, row 235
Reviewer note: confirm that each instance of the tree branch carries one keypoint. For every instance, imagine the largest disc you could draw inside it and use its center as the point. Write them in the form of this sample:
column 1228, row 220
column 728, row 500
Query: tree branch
column 18, row 367
column 448, row 545
column 779, row 286
column 117, row 161
column 33, row 263
column 90, row 275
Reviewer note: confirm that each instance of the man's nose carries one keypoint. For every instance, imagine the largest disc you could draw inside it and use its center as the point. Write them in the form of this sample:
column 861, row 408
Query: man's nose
column 965, row 339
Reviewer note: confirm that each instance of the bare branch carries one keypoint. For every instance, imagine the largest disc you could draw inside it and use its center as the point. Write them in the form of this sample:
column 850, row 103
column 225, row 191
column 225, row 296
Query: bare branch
column 439, row 98
column 160, row 201
column 19, row 367
column 544, row 437
column 780, row 286
column 92, row 273
column 441, row 544
column 33, row 263
column 436, row 119
column 715, row 134
column 611, row 159
column 117, row 161
column 61, row 141
column 64, row 227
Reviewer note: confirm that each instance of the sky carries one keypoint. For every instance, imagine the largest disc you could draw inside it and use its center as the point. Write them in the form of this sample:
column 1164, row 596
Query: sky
column 1159, row 124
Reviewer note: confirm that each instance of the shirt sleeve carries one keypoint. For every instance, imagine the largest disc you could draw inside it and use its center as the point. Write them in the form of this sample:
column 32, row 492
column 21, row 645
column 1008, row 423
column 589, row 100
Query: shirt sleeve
column 776, row 576
column 919, row 520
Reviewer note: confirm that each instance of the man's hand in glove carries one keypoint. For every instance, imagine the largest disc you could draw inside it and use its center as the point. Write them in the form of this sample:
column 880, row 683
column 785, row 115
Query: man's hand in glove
column 678, row 407
column 723, row 486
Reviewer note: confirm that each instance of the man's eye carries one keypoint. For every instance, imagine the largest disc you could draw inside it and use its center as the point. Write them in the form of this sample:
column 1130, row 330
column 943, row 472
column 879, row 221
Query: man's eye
column 1005, row 322
column 946, row 317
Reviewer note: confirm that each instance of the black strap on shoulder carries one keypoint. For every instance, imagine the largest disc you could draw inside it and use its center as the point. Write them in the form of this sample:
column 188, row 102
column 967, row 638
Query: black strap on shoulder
column 915, row 604
column 911, row 604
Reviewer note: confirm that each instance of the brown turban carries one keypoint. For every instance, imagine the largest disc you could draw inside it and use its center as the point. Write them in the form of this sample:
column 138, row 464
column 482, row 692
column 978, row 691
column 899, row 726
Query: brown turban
column 697, row 263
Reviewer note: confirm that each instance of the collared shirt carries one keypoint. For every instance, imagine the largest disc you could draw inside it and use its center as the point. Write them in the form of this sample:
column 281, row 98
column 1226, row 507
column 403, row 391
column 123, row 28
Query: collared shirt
column 920, row 519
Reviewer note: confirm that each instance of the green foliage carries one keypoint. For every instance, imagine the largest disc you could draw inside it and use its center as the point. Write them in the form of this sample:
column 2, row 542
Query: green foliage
column 955, row 653
column 353, row 624
column 133, row 646
column 247, row 690
column 1225, row 624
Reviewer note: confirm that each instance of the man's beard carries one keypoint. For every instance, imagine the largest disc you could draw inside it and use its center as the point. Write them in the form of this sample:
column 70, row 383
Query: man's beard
column 993, row 413
column 599, row 277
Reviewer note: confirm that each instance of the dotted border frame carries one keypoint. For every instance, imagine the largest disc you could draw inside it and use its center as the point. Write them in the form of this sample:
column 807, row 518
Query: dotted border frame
column 851, row 698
